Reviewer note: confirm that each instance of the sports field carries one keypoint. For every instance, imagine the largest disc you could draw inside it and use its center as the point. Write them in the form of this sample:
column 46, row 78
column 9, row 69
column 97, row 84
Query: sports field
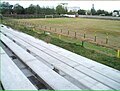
column 91, row 27
column 107, row 56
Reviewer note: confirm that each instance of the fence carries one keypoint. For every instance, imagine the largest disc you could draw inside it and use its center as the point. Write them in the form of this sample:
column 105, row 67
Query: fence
column 22, row 16
column 82, row 37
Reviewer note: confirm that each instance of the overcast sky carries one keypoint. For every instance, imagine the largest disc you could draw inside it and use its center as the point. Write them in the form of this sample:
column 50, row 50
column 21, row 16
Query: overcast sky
column 106, row 5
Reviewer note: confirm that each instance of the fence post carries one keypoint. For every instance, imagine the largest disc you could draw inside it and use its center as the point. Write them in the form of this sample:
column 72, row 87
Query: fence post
column 106, row 38
column 118, row 53
column 75, row 34
column 95, row 37
column 61, row 30
column 68, row 32
column 82, row 43
column 50, row 28
column 82, row 40
column 84, row 35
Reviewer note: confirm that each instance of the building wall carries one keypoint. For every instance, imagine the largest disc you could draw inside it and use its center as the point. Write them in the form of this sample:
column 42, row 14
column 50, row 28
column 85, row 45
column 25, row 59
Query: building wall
column 74, row 9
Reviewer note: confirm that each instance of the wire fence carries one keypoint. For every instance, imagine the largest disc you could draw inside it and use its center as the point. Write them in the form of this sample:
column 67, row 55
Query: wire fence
column 23, row 16
column 83, row 37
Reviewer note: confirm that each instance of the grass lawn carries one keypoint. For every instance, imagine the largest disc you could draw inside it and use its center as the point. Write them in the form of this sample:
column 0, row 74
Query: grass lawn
column 73, row 46
column 81, row 25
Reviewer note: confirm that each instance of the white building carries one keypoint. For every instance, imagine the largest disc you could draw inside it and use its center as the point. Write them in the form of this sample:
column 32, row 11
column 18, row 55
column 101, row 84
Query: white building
column 74, row 9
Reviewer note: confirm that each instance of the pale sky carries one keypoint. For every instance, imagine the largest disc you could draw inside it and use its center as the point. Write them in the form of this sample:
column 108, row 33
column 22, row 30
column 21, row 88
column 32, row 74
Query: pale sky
column 106, row 5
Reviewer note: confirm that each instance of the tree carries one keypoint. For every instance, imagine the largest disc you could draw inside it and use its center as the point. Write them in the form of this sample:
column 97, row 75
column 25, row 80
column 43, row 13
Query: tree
column 100, row 12
column 18, row 9
column 5, row 8
column 31, row 9
column 93, row 12
column 49, row 10
column 38, row 9
column 60, row 10
column 81, row 12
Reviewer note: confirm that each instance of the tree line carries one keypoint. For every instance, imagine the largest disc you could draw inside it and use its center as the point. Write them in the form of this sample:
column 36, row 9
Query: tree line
column 6, row 8
column 94, row 12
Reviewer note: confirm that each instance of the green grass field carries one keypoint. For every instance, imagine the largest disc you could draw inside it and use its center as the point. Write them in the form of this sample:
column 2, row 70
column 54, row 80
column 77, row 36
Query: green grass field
column 81, row 25
column 72, row 45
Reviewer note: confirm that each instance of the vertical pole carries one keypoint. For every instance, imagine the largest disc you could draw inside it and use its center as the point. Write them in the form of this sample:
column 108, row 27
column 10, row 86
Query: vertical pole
column 82, row 40
column 61, row 30
column 106, row 38
column 75, row 34
column 50, row 28
column 84, row 35
column 118, row 54
column 68, row 32
column 95, row 37
column 82, row 43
